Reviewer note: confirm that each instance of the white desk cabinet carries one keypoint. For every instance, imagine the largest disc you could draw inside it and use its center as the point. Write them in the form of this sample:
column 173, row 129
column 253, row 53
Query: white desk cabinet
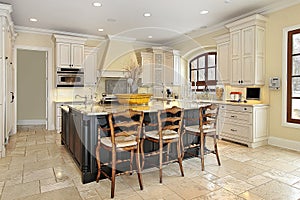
column 244, row 124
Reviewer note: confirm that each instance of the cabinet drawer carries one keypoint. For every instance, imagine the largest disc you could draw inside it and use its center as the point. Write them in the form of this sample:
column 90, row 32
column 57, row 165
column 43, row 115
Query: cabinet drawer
column 237, row 108
column 237, row 117
column 241, row 132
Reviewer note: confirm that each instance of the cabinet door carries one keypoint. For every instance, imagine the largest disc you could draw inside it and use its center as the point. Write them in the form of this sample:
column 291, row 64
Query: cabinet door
column 248, row 56
column 158, row 69
column 77, row 55
column 223, row 63
column 90, row 69
column 63, row 54
column 168, row 69
column 236, row 68
column 147, row 65
column 177, row 69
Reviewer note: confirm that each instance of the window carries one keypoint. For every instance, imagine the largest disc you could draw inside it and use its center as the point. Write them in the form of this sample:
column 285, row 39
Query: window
column 203, row 71
column 293, row 77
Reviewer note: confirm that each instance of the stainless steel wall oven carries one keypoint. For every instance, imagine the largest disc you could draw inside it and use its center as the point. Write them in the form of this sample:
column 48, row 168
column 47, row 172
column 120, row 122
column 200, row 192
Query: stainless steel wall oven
column 69, row 77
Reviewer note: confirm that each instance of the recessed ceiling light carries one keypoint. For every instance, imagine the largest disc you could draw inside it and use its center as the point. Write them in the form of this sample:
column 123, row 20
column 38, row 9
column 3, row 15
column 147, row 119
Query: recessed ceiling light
column 147, row 14
column 100, row 29
column 203, row 12
column 97, row 4
column 111, row 20
column 150, row 37
column 33, row 20
column 227, row 1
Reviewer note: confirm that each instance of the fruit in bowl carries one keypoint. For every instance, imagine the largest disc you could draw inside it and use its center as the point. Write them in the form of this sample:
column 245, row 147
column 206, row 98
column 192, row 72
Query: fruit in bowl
column 137, row 99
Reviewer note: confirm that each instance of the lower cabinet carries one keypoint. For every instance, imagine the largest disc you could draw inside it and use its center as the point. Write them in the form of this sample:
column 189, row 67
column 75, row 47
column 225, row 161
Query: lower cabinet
column 244, row 124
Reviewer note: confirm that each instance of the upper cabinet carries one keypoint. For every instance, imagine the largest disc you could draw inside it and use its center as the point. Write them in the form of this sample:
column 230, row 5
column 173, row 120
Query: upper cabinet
column 223, row 65
column 69, row 51
column 160, row 67
column 247, row 51
column 90, row 66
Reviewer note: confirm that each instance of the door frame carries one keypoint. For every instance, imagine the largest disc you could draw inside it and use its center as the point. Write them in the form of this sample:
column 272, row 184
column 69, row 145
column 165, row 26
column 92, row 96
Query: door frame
column 49, row 84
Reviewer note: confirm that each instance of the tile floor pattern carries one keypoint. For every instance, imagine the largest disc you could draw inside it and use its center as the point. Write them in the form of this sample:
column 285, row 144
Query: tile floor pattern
column 38, row 167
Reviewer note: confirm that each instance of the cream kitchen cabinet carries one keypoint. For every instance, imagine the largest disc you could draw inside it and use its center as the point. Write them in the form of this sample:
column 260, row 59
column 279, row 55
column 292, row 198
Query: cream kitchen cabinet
column 7, row 83
column 69, row 51
column 147, row 65
column 247, row 51
column 90, row 66
column 244, row 124
column 223, row 67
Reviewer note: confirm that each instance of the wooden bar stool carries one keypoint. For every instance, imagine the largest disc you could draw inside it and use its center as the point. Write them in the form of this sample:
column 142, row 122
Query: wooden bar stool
column 207, row 127
column 125, row 129
column 169, row 131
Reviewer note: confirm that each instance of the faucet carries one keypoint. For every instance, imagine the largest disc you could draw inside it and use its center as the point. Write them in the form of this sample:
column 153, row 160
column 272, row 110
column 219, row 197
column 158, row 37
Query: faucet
column 84, row 97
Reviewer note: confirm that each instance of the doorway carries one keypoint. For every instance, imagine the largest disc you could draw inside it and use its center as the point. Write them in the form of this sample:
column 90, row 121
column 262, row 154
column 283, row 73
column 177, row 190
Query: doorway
column 33, row 102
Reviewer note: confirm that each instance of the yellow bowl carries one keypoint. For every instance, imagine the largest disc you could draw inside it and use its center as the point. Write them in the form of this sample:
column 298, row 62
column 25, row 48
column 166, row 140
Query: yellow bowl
column 133, row 98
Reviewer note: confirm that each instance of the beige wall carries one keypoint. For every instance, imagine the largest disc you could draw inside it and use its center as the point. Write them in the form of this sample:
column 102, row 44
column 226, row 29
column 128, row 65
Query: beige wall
column 277, row 21
column 31, row 86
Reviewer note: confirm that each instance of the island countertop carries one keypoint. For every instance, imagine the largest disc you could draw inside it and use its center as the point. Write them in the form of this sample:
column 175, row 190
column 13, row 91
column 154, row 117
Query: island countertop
column 153, row 106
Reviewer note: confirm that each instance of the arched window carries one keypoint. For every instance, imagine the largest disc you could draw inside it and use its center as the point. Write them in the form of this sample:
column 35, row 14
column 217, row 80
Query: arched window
column 203, row 71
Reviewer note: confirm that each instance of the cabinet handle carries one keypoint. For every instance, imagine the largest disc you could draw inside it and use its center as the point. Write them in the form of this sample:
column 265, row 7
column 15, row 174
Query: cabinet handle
column 233, row 130
column 232, row 116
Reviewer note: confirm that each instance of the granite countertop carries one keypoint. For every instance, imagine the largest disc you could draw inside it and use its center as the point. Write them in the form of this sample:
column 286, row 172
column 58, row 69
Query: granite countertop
column 242, row 103
column 153, row 106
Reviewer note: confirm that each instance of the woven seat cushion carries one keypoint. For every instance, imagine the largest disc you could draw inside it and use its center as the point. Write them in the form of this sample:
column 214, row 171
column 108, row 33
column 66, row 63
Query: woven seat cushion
column 195, row 128
column 121, row 141
column 167, row 134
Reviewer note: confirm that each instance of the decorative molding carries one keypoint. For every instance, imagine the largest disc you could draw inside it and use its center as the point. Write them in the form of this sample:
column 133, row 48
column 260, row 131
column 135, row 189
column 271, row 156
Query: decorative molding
column 284, row 143
column 23, row 29
column 31, row 122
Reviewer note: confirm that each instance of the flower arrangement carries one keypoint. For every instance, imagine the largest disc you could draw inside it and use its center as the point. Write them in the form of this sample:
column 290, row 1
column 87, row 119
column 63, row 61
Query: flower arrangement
column 132, row 73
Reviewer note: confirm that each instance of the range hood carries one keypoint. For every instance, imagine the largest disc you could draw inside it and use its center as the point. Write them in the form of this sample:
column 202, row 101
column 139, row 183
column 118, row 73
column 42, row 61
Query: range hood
column 115, row 55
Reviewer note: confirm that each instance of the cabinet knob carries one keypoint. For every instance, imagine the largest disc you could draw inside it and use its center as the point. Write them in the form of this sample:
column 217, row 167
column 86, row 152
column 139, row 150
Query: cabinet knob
column 242, row 81
column 245, row 109
column 239, row 81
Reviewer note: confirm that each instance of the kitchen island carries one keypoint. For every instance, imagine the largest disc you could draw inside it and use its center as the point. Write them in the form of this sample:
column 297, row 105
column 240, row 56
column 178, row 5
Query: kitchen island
column 80, row 124
column 245, row 123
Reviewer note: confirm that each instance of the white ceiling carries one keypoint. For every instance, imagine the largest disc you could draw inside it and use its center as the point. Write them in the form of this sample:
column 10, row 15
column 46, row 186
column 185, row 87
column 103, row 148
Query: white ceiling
column 170, row 18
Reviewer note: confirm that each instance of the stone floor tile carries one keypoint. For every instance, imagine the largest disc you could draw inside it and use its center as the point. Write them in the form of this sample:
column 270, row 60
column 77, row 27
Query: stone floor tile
column 233, row 185
column 281, row 176
column 276, row 190
column 250, row 196
column 20, row 190
column 56, row 186
column 38, row 175
column 69, row 193
column 221, row 194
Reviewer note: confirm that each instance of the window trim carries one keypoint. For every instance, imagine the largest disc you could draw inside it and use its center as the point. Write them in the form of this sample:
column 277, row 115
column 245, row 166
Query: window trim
column 284, row 77
column 201, row 83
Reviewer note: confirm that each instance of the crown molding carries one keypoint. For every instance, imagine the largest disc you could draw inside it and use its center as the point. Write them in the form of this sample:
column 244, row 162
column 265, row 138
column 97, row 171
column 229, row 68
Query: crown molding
column 23, row 29
column 263, row 11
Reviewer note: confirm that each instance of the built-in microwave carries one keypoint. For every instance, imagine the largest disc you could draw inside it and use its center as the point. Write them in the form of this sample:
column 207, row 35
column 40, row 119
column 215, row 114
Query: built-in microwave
column 69, row 77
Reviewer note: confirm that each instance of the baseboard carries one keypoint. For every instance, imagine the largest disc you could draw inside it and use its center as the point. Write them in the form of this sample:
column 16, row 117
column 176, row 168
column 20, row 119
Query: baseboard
column 31, row 122
column 284, row 143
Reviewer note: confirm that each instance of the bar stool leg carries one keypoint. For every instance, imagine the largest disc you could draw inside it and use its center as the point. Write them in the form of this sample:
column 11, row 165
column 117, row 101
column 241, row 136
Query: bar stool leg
column 113, row 173
column 216, row 150
column 179, row 157
column 202, row 149
column 138, row 166
column 160, row 159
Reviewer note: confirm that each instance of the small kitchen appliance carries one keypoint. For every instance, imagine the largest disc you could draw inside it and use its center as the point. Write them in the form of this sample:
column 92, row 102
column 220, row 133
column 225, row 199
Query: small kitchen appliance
column 235, row 96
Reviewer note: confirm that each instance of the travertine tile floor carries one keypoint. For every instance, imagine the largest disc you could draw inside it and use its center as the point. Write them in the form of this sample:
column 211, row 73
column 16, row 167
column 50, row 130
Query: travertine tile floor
column 38, row 167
